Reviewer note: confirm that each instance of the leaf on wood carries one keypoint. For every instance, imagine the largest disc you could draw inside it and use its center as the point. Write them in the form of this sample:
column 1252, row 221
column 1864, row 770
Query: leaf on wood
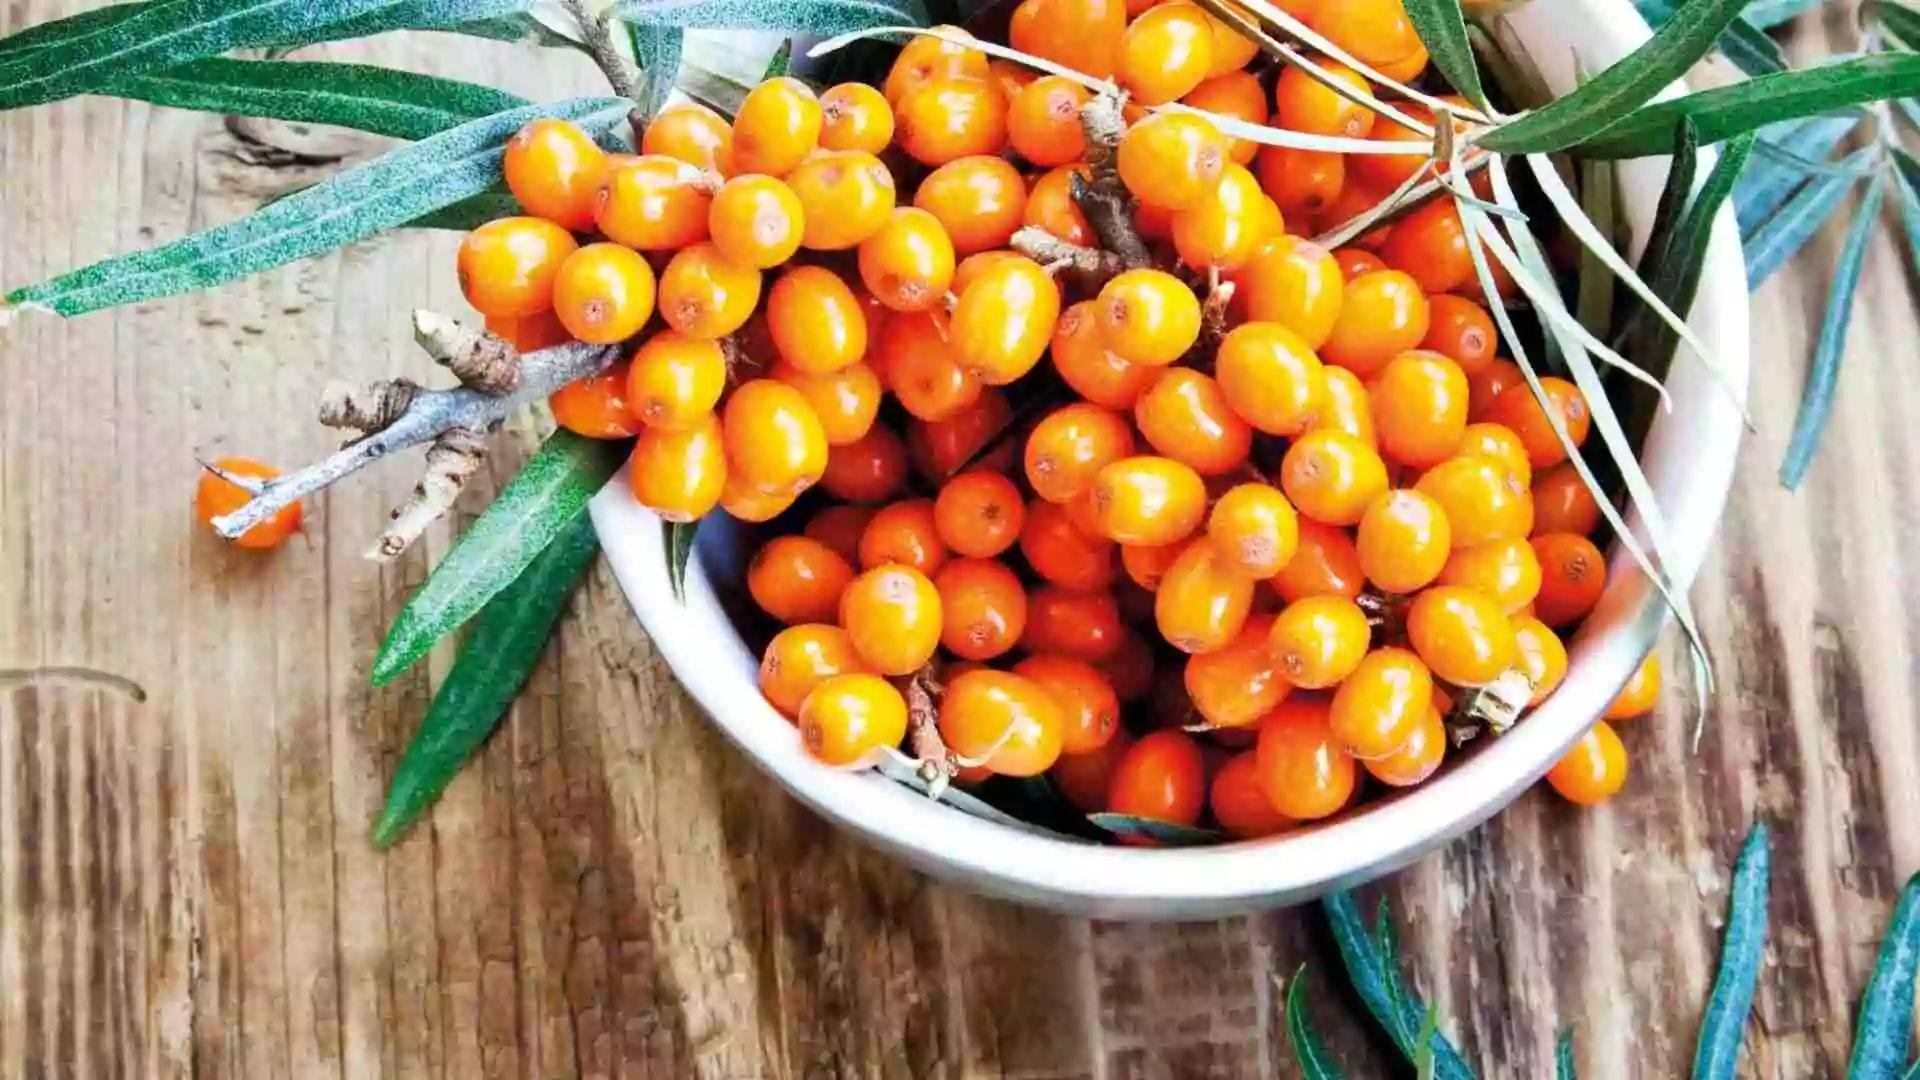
column 1816, row 401
column 73, row 27
column 1783, row 235
column 1398, row 1013
column 1165, row 833
column 1742, row 949
column 677, row 541
column 1443, row 30
column 813, row 18
column 480, row 18
column 535, row 508
column 392, row 190
column 469, row 213
column 1770, row 180
column 1315, row 1062
column 1882, row 1040
column 1563, row 1068
column 658, row 50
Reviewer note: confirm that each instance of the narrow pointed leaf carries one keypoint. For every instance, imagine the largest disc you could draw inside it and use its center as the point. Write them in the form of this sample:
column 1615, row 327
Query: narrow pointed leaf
column 1783, row 235
column 1677, row 279
column 780, row 63
column 469, row 213
column 1674, row 196
column 1881, row 1041
column 1594, row 305
column 1909, row 189
column 1816, row 401
column 1315, row 1062
column 481, row 18
column 1366, row 967
column 1748, row 48
column 1165, row 833
column 1770, row 13
column 1618, row 90
column 1741, row 950
column 1732, row 110
column 51, row 33
column 1563, row 1068
column 392, row 190
column 1897, row 21
column 1769, row 182
column 1402, row 1009
column 658, row 49
column 814, row 18
column 1443, row 30
column 678, row 537
column 535, row 507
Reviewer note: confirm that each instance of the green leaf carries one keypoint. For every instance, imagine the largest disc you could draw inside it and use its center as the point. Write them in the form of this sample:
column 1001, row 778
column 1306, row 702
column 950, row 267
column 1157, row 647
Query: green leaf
column 497, row 19
column 677, row 538
column 1741, row 952
column 780, row 63
column 1784, row 234
column 1769, row 13
column 494, row 663
column 469, row 213
column 658, row 49
column 1423, row 1062
column 1880, row 1042
column 1165, row 833
column 1315, row 1062
column 1618, row 90
column 536, row 506
column 1396, row 1012
column 1749, row 48
column 1563, row 1058
column 1769, row 181
column 392, row 190
column 1594, row 303
column 1443, row 30
column 1731, row 110
column 1907, row 177
column 1897, row 21
column 365, row 98
column 1816, row 402
column 814, row 18
column 87, row 23
column 1677, row 278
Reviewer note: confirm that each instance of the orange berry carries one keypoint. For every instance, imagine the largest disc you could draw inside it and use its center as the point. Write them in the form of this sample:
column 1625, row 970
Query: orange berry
column 603, row 293
column 1296, row 284
column 1641, row 693
column 1050, row 206
column 1562, row 502
column 1060, row 553
column 1522, row 412
column 1462, row 331
column 797, row 580
column 529, row 333
column 1593, row 770
column 1089, row 706
column 1419, row 402
column 1043, row 122
column 941, row 448
column 675, row 380
column 945, row 119
column 755, row 221
column 1378, row 706
column 1148, row 501
column 654, row 203
column 1317, row 641
column 1234, row 94
column 1539, row 653
column 1506, row 570
column 1089, row 368
column 917, row 362
column 1403, row 541
column 983, row 608
column 1501, row 445
column 978, row 200
column 845, row 196
column 704, row 294
column 678, row 473
column 1482, row 500
column 1303, row 183
column 1239, row 801
column 1382, row 315
column 1232, row 50
column 1385, row 172
column 1302, row 102
column 597, row 405
column 846, row 401
column 1130, row 667
column 979, row 514
column 908, row 264
column 1376, row 31
column 1254, row 530
column 1222, row 229
column 1354, row 199
column 1008, row 719
column 1080, row 34
column 1010, row 77
column 817, row 323
column 800, row 658
column 1202, row 603
column 840, row 528
column 925, row 58
column 1332, row 477
column 1325, row 563
column 1304, row 770
column 855, row 116
column 1083, row 779
column 773, row 437
column 1430, row 244
column 1071, row 444
column 1148, row 317
column 553, row 169
column 894, row 617
column 1171, row 159
column 1162, row 777
column 847, row 718
column 1461, row 634
column 776, row 127
column 216, row 496
column 903, row 533
column 1487, row 387
column 1355, row 261
column 744, row 502
column 1416, row 759
column 1146, row 564
column 1573, row 574
column 870, row 469
column 507, row 267
column 1237, row 685
column 1165, row 53
column 974, row 266
column 692, row 133
column 1004, row 320
column 1270, row 377
column 1074, row 622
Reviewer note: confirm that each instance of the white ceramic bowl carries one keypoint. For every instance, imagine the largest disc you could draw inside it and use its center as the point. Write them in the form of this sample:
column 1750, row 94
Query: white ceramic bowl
column 1688, row 457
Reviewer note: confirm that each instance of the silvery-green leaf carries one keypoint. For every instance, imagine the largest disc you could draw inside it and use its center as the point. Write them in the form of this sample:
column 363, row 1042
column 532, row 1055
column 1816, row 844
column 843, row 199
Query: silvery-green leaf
column 1786, row 232
column 1160, row 832
column 1907, row 177
column 1770, row 13
column 1749, row 48
column 813, row 18
column 658, row 50
column 1816, row 401
column 1885, row 1030
column 1443, row 29
column 1742, row 951
column 481, row 18
column 1769, row 182
column 469, row 213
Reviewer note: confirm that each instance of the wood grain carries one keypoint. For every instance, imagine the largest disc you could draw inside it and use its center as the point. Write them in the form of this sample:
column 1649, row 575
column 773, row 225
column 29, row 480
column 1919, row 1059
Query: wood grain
column 186, row 888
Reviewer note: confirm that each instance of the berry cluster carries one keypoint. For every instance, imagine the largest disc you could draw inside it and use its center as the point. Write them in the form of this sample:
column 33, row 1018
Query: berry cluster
column 1302, row 476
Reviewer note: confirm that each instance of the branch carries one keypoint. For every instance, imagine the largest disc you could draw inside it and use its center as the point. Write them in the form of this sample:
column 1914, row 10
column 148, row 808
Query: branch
column 451, row 461
column 596, row 34
column 1104, row 199
column 936, row 764
column 1096, row 264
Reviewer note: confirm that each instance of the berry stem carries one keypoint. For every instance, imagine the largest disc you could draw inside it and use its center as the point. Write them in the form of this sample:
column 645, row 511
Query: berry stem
column 596, row 33
column 1096, row 264
column 935, row 761
column 1104, row 199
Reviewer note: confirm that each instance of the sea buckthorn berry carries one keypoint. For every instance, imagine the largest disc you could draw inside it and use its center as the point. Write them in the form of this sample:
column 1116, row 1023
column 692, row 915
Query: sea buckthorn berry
column 1354, row 199
column 1089, row 368
column 1594, row 770
column 1154, row 222
column 974, row 267
column 1332, row 477
column 603, row 293
column 845, row 400
column 1254, row 529
column 1083, row 779
column 845, row 196
column 925, row 58
column 777, row 125
column 755, row 221
column 1070, row 445
column 871, row 469
column 978, row 200
column 800, row 658
column 979, row 514
column 941, row 448
column 1148, row 501
column 945, row 119
column 1165, row 53
column 1562, row 502
column 1148, row 317
column 597, row 405
column 1043, row 122
column 654, row 203
column 1270, row 377
column 1060, row 553
column 704, row 294
column 1382, row 315
column 1355, row 261
column 1161, row 777
column 1403, row 541
column 507, row 267
column 216, row 496
column 840, row 528
column 675, row 380
column 1463, row 635
column 1462, row 331
column 1304, row 770
column 1325, row 563
column 1376, row 31
column 1239, row 801
column 1004, row 320
column 1499, row 444
column 1222, row 229
column 1050, row 206
column 1232, row 50
column 1419, row 403
column 1417, row 759
column 1171, row 159
column 797, row 580
column 903, row 533
column 678, row 473
column 855, row 116
column 816, row 320
column 1236, row 94
column 1573, row 574
column 745, row 502
column 1080, row 34
column 1296, row 284
column 1302, row 183
column 1385, row 172
column 1641, row 693
column 773, row 437
column 1236, row 686
column 529, row 333
column 553, row 169
column 1539, row 653
column 1505, row 570
column 908, row 264
column 1380, row 703
column 894, row 617
column 1302, row 102
column 1317, row 641
column 1010, row 77
column 1074, row 622
column 1007, row 719
column 983, row 608
column 1485, row 388
column 1431, row 245
column 692, row 133
column 1130, row 668
column 1146, row 564
column 847, row 718
column 1482, row 500
column 1521, row 411
column 917, row 362
column 1089, row 707
column 1345, row 407
column 1202, row 603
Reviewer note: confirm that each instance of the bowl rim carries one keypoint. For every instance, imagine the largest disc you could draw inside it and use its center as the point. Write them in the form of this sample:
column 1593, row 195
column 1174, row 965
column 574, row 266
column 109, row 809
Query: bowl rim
column 1689, row 459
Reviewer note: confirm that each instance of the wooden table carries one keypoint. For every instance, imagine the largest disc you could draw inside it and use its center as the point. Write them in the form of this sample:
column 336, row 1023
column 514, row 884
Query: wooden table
column 186, row 887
